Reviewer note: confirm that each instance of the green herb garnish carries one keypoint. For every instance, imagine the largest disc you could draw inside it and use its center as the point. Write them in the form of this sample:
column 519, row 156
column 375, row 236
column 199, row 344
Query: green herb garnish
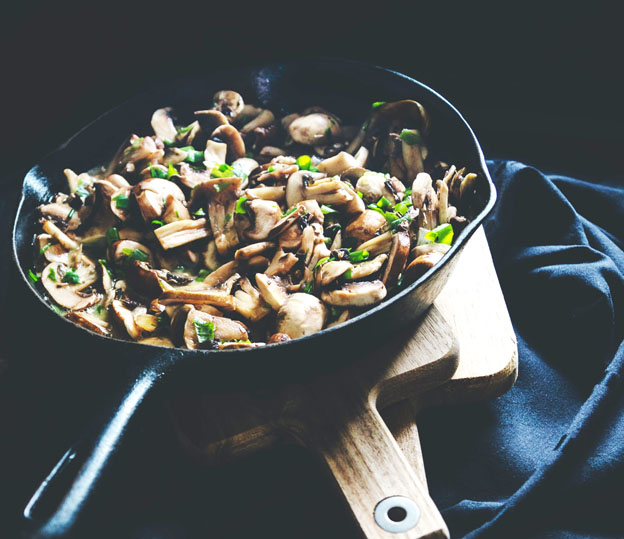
column 348, row 274
column 82, row 192
column 52, row 275
column 328, row 209
column 158, row 172
column 378, row 104
column 32, row 276
column 135, row 254
column 122, row 202
column 304, row 162
column 192, row 155
column 218, row 187
column 112, row 235
column 71, row 277
column 71, row 213
column 171, row 171
column 240, row 206
column 228, row 216
column 200, row 213
column 358, row 256
column 203, row 273
column 308, row 287
column 105, row 266
column 44, row 248
column 222, row 171
column 186, row 129
column 320, row 263
column 441, row 234
column 384, row 203
column 205, row 331
column 270, row 169
column 288, row 212
column 156, row 223
column 411, row 137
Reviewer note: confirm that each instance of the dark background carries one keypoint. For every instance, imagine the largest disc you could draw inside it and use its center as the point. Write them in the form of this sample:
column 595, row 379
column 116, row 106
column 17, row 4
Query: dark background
column 537, row 84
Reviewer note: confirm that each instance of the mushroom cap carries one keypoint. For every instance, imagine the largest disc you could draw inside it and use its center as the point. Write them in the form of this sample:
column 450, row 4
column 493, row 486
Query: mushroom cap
column 314, row 129
column 69, row 295
column 228, row 102
column 235, row 144
column 265, row 215
column 359, row 294
column 302, row 314
column 162, row 124
column 397, row 259
column 366, row 226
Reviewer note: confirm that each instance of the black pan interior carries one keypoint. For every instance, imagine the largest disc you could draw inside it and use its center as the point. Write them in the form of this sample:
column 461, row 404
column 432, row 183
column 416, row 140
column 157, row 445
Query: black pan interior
column 346, row 88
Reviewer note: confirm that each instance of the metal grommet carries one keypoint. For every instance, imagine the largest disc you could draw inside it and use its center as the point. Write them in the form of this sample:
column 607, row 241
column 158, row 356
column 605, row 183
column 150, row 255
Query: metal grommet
column 397, row 514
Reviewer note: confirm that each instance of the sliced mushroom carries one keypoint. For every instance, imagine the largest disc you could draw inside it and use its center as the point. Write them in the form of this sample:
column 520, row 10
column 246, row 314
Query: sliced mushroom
column 181, row 232
column 421, row 265
column 330, row 271
column 120, row 250
column 314, row 129
column 249, row 303
column 69, row 294
column 272, row 290
column 228, row 102
column 59, row 235
column 397, row 259
column 367, row 268
column 235, row 144
column 249, row 251
column 266, row 117
column 145, row 281
column 224, row 329
column 430, row 248
column 337, row 164
column 264, row 215
column 300, row 315
column 276, row 193
column 152, row 194
column 412, row 153
column 281, row 264
column 120, row 203
column 245, row 165
column 359, row 294
column 175, row 211
column 220, row 275
column 89, row 321
column 278, row 337
column 162, row 124
column 378, row 245
column 215, row 297
column 157, row 341
column 297, row 183
column 214, row 154
column 366, row 226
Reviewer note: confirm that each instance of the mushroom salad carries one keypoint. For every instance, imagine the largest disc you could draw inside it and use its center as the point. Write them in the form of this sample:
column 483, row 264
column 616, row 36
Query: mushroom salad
column 241, row 229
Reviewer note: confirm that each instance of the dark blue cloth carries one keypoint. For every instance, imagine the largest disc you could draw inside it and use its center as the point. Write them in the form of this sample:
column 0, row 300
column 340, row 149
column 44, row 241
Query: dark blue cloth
column 547, row 458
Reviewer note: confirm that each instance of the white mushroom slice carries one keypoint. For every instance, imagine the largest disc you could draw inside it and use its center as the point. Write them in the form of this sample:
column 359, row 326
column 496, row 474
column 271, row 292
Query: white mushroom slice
column 211, row 260
column 59, row 235
column 119, row 203
column 366, row 226
column 89, row 321
column 301, row 315
column 360, row 294
column 430, row 248
column 397, row 259
column 175, row 211
column 224, row 329
column 282, row 262
column 296, row 186
column 120, row 250
column 249, row 251
column 245, row 165
column 238, row 345
column 264, row 215
column 230, row 135
column 275, row 193
column 157, row 341
column 374, row 185
column 330, row 271
column 151, row 195
column 162, row 124
column 266, row 117
column 221, row 211
column 146, row 323
column 249, row 303
column 411, row 147
column 421, row 265
column 421, row 187
column 174, row 156
column 378, row 245
column 214, row 154
column 215, row 297
column 271, row 152
column 367, row 268
column 181, row 232
column 337, row 242
column 361, row 156
column 69, row 295
column 272, row 289
column 141, row 149
column 314, row 129
column 219, row 275
column 337, row 164
column 229, row 102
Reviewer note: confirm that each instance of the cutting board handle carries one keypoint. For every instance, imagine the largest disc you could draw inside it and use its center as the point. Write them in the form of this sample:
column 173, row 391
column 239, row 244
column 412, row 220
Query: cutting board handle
column 382, row 489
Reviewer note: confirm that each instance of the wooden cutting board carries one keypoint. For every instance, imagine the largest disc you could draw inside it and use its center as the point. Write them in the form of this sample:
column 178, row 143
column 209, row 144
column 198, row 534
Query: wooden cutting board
column 463, row 350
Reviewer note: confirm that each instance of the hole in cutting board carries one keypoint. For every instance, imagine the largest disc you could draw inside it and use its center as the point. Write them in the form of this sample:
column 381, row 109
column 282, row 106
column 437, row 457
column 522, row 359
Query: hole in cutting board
column 397, row 514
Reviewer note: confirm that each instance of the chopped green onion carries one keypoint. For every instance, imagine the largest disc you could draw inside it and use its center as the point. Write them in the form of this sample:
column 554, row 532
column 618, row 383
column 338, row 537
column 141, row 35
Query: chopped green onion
column 313, row 169
column 200, row 213
column 270, row 169
column 394, row 224
column 167, row 142
column 320, row 263
column 122, row 202
column 192, row 155
column 32, row 276
column 45, row 248
column 408, row 193
column 378, row 104
column 240, row 206
column 203, row 273
column 218, row 187
column 441, row 234
column 158, row 172
column 157, row 223
column 228, row 216
column 171, row 171
column 222, row 171
column 304, row 162
column 400, row 279
column 358, row 256
column 249, row 155
column 288, row 212
column 58, row 310
column 239, row 172
column 328, row 209
column 205, row 331
column 70, row 214
column 360, row 194
column 411, row 137
column 99, row 308
column 308, row 287
column 328, row 132
column 328, row 241
column 177, row 214
column 135, row 254
column 105, row 266
column 71, row 277
column 401, row 208
column 52, row 275
column 183, row 130
column 384, row 203
column 348, row 274
column 112, row 235
column 180, row 268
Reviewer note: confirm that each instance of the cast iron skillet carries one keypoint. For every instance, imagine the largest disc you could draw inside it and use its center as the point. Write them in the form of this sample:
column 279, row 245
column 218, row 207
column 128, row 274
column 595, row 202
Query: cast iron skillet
column 346, row 88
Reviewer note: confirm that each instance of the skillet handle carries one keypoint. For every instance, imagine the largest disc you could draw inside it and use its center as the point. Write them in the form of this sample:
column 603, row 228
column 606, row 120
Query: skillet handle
column 385, row 494
column 55, row 508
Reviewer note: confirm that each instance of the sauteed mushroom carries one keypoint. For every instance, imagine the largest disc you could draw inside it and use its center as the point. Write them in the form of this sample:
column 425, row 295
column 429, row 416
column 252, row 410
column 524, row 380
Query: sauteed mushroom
column 233, row 228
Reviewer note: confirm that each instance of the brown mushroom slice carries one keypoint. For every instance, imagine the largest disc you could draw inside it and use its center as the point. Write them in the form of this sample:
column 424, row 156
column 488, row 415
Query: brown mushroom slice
column 215, row 297
column 157, row 341
column 282, row 263
column 272, row 290
column 119, row 203
column 61, row 212
column 219, row 275
column 411, row 146
column 210, row 256
column 89, row 321
column 221, row 210
column 378, row 245
column 275, row 193
column 230, row 135
column 146, row 323
column 120, row 250
column 249, row 303
column 181, row 232
column 163, row 126
column 189, row 177
column 125, row 317
column 314, row 129
column 337, row 164
column 398, row 258
column 175, row 211
column 254, row 249
column 225, row 329
column 59, row 235
column 300, row 315
column 358, row 294
column 366, row 226
column 421, row 265
column 344, row 316
column 332, row 270
column 264, row 215
column 211, row 118
column 151, row 195
column 266, row 117
column 430, row 248
column 367, row 268
column 145, row 281
column 228, row 102
column 68, row 295
column 278, row 337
